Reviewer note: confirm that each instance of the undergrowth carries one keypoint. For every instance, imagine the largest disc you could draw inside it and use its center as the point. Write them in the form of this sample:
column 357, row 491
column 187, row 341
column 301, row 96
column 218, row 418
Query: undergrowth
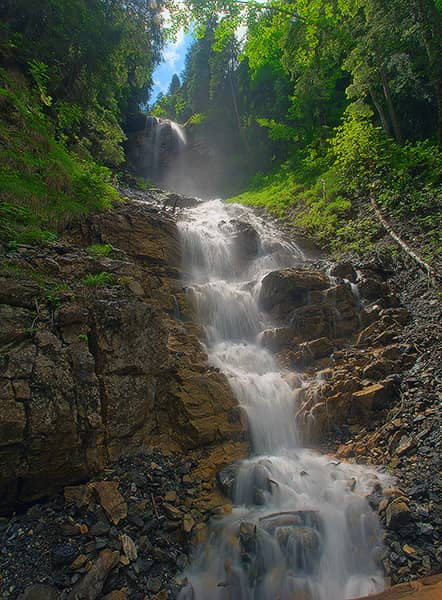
column 42, row 185
column 329, row 196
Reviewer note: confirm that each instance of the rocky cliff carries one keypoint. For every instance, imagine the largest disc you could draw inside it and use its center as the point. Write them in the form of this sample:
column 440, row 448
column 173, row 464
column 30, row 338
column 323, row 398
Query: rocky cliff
column 99, row 356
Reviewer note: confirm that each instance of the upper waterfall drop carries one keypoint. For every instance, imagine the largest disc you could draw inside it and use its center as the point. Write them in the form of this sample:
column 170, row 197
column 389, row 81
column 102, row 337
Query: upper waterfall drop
column 162, row 145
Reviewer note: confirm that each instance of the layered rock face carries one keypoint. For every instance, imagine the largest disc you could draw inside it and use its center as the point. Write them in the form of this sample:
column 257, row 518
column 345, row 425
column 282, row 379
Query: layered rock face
column 338, row 330
column 99, row 357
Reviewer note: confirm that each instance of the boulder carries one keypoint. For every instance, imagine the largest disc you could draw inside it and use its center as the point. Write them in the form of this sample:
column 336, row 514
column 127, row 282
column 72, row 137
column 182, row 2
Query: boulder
column 279, row 338
column 373, row 289
column 344, row 270
column 91, row 585
column 17, row 292
column 284, row 290
column 312, row 322
column 398, row 513
column 371, row 398
column 315, row 349
column 245, row 239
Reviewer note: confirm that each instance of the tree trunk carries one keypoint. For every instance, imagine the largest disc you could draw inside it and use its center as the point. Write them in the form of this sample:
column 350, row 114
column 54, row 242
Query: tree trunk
column 391, row 110
column 380, row 110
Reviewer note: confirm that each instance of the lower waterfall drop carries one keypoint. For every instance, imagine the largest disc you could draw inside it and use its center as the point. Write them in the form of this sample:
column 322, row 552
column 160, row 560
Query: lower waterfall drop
column 301, row 528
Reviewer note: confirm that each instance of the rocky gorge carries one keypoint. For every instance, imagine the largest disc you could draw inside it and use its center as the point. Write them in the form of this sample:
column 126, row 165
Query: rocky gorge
column 111, row 407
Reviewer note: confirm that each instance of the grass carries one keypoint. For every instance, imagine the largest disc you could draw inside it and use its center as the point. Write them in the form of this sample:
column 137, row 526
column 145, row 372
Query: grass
column 43, row 186
column 98, row 279
column 319, row 207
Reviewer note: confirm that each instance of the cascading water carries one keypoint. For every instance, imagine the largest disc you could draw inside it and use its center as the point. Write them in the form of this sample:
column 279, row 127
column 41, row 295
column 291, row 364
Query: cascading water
column 301, row 528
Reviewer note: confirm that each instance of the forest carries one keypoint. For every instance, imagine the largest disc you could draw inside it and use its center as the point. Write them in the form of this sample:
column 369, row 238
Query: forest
column 311, row 106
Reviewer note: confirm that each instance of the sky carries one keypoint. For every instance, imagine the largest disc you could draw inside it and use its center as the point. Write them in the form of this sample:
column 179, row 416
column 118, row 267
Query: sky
column 173, row 62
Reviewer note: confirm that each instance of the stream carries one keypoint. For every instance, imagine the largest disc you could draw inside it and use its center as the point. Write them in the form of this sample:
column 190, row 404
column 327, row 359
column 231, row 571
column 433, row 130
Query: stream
column 301, row 527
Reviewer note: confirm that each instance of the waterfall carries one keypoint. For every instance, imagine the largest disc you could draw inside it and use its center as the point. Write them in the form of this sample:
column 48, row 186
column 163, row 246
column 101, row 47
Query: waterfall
column 301, row 527
column 163, row 147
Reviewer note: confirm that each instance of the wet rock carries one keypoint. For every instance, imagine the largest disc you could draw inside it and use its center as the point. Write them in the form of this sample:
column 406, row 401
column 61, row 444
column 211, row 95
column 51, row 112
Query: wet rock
column 277, row 338
column 284, row 290
column 429, row 588
column 316, row 349
column 226, row 479
column 301, row 546
column 312, row 322
column 245, row 239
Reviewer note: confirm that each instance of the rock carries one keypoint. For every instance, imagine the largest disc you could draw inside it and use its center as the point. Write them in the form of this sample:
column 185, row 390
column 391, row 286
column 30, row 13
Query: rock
column 129, row 547
column 312, row 322
column 343, row 311
column 372, row 398
column 398, row 514
column 117, row 595
column 301, row 546
column 277, row 338
column 316, row 349
column 406, row 443
column 284, row 290
column 63, row 554
column 344, row 270
column 429, row 588
column 170, row 496
column 378, row 369
column 39, row 591
column 188, row 523
column 15, row 292
column 89, row 588
column 171, row 511
column 110, row 499
column 80, row 495
column 154, row 584
column 245, row 238
column 226, row 479
column 79, row 562
column 373, row 289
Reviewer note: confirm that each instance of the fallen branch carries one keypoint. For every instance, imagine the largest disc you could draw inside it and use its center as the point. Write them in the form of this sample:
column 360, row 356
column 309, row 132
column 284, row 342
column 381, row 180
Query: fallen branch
column 405, row 247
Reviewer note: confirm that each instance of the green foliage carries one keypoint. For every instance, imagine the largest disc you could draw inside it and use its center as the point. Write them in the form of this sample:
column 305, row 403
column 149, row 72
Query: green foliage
column 276, row 192
column 91, row 63
column 43, row 186
column 98, row 279
column 100, row 250
column 197, row 119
